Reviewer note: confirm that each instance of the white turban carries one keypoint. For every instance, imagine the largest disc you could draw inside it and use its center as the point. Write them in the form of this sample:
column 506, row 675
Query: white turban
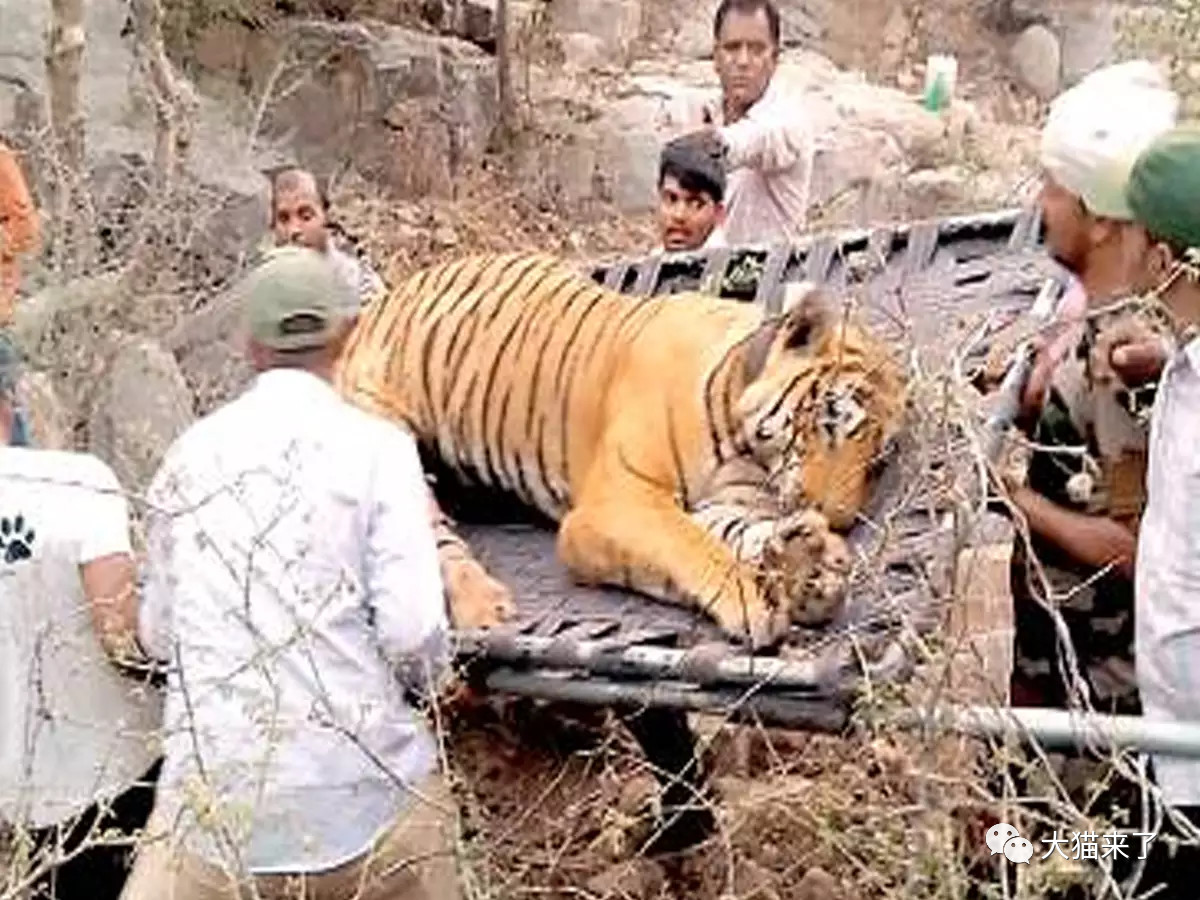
column 1096, row 130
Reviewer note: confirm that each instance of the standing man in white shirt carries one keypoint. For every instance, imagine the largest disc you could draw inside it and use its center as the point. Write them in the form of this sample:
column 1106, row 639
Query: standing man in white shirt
column 769, row 144
column 293, row 586
column 1164, row 194
column 78, row 736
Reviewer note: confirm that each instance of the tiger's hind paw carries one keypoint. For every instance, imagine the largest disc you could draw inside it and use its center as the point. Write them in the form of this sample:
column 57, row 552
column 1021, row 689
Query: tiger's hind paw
column 477, row 600
column 810, row 568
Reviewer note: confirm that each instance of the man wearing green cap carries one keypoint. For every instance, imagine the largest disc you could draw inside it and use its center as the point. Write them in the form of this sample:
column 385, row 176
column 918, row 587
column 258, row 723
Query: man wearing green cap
column 1164, row 194
column 293, row 586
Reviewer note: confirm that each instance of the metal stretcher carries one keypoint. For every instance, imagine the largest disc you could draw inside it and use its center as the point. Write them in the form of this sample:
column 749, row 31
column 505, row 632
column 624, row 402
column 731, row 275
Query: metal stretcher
column 924, row 286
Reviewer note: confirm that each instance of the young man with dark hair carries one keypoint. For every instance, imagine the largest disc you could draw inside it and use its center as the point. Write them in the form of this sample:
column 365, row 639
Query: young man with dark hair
column 691, row 194
column 761, row 126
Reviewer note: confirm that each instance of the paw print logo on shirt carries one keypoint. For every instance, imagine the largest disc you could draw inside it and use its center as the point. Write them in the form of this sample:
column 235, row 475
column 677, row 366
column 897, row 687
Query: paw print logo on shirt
column 16, row 540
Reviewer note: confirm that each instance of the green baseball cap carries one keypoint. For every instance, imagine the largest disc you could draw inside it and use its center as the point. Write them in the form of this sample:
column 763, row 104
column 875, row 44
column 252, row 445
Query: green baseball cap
column 295, row 300
column 1164, row 187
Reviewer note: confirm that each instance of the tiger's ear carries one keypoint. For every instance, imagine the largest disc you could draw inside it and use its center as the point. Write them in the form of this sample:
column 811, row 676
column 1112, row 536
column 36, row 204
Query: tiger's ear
column 806, row 316
column 799, row 326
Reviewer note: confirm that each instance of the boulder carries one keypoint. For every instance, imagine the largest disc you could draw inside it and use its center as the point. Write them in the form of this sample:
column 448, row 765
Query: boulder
column 1089, row 39
column 209, row 348
column 404, row 109
column 614, row 24
column 144, row 404
column 1036, row 57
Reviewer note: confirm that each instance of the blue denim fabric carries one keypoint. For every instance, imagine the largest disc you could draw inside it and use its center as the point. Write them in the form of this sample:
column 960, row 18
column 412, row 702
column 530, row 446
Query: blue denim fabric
column 20, row 436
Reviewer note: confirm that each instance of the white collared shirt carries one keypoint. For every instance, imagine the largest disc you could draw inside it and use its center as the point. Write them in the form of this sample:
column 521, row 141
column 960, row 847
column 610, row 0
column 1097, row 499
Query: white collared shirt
column 770, row 156
column 293, row 585
column 1167, row 612
column 73, row 730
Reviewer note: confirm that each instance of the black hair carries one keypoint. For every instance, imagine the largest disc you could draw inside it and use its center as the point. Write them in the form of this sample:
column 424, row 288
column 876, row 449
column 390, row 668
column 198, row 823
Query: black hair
column 749, row 8
column 697, row 163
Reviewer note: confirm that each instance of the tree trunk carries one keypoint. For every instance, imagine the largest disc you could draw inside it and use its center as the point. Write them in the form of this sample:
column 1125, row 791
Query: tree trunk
column 66, row 157
column 504, row 89
column 64, row 70
column 174, row 100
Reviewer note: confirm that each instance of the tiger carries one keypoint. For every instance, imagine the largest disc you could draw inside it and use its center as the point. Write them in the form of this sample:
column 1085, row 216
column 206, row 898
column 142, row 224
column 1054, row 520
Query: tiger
column 610, row 414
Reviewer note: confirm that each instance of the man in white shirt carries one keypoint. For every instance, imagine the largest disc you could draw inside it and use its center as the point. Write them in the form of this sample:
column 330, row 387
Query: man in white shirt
column 768, row 140
column 77, row 736
column 300, row 217
column 293, row 585
column 1164, row 194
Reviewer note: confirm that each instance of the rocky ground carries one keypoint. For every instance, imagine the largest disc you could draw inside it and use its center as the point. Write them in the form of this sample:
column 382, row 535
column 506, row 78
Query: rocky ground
column 134, row 337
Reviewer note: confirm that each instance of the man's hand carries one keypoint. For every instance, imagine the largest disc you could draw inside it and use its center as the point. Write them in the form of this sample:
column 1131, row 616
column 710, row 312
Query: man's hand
column 1129, row 351
column 1140, row 362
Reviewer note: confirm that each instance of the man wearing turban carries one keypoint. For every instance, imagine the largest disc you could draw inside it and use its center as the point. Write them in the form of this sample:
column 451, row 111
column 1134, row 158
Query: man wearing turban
column 1082, row 513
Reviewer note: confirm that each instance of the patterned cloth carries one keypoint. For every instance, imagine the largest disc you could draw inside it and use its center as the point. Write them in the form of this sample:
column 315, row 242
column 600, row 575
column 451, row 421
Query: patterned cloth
column 1110, row 422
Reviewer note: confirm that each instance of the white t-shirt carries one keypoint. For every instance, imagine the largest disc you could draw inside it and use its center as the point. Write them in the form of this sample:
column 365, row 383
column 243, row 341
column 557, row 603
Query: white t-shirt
column 72, row 728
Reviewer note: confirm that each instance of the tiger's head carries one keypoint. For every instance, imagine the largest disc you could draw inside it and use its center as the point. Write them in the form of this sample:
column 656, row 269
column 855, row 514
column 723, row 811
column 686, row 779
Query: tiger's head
column 822, row 403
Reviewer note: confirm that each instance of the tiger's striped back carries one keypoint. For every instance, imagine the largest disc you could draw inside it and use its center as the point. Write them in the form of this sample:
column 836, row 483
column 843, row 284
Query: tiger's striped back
column 484, row 358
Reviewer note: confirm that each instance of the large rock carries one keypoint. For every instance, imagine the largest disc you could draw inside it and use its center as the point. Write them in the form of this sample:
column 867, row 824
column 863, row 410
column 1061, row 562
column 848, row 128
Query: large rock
column 1089, row 39
column 143, row 406
column 613, row 24
column 211, row 352
column 1037, row 61
column 402, row 108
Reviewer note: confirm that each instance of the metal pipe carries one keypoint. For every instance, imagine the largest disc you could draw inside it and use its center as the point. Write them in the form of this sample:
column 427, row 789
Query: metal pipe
column 1058, row 729
column 772, row 709
column 704, row 665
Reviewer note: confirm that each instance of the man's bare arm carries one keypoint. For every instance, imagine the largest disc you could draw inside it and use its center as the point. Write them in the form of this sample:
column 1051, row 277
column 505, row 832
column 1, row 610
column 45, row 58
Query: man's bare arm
column 109, row 583
column 1092, row 540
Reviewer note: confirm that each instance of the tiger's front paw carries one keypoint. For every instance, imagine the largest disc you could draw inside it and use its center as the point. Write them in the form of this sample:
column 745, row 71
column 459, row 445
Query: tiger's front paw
column 748, row 616
column 477, row 600
column 811, row 568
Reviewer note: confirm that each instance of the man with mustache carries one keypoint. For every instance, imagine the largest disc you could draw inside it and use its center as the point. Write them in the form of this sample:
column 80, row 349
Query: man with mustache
column 768, row 143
